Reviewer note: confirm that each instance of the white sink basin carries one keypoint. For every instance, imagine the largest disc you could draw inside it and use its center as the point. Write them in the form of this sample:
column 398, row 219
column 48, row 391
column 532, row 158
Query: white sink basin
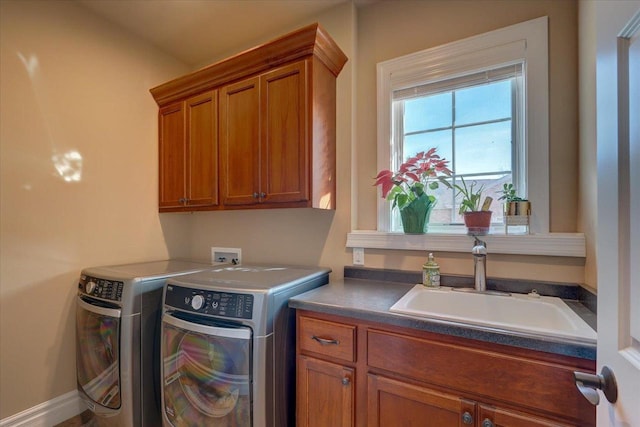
column 537, row 315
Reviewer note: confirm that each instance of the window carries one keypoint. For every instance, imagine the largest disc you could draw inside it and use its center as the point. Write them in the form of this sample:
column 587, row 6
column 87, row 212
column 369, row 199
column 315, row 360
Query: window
column 474, row 122
column 483, row 102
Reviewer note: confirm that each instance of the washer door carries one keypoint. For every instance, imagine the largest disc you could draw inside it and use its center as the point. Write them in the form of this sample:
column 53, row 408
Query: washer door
column 97, row 351
column 206, row 373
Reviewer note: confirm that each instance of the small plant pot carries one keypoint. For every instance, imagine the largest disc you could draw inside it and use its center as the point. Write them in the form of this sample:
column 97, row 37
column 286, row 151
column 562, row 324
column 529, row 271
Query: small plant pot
column 478, row 222
column 519, row 208
column 516, row 214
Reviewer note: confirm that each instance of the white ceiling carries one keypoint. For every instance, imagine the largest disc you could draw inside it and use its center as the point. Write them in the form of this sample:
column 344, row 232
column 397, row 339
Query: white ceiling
column 199, row 31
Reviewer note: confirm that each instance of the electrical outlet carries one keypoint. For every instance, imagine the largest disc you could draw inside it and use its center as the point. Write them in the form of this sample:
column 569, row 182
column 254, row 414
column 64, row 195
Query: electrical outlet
column 228, row 255
column 358, row 256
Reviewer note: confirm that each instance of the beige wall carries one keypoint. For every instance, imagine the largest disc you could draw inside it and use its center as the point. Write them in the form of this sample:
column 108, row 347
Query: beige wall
column 70, row 82
column 390, row 29
column 89, row 92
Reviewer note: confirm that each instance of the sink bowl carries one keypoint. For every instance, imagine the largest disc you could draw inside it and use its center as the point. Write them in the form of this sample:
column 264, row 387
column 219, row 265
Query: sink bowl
column 530, row 314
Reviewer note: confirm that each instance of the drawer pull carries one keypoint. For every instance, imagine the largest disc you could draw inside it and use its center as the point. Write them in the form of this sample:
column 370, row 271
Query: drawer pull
column 467, row 418
column 487, row 423
column 346, row 381
column 325, row 341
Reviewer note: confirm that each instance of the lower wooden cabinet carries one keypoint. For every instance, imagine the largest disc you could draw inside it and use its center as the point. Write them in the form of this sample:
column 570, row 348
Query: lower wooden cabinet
column 359, row 373
column 393, row 403
column 326, row 394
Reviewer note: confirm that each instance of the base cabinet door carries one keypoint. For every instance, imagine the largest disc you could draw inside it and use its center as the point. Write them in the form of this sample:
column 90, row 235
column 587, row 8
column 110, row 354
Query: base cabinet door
column 393, row 403
column 326, row 394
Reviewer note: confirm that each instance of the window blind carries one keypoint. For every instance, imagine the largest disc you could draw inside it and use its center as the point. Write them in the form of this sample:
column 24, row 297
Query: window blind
column 474, row 79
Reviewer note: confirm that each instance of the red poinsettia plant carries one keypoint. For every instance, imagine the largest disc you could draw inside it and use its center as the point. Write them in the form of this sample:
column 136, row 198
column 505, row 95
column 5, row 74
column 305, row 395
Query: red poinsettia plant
column 424, row 170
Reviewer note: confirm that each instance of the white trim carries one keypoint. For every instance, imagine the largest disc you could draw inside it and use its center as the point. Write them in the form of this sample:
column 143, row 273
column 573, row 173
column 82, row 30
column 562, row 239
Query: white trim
column 48, row 413
column 550, row 244
column 527, row 41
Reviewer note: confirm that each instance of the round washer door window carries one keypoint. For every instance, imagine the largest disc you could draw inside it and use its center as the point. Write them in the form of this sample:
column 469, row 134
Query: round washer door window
column 206, row 375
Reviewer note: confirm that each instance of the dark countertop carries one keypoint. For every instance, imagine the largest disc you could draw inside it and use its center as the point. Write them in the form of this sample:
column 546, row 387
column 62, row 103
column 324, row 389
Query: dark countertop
column 370, row 300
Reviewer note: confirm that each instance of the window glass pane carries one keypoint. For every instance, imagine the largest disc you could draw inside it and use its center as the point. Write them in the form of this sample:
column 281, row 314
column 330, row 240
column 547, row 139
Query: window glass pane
column 483, row 103
column 416, row 143
column 429, row 112
column 483, row 148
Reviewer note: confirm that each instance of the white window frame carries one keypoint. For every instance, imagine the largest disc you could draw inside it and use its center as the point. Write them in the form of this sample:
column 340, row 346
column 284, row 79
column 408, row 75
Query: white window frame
column 526, row 42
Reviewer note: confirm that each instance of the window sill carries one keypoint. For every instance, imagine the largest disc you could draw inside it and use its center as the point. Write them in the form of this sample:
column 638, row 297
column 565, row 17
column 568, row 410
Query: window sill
column 550, row 244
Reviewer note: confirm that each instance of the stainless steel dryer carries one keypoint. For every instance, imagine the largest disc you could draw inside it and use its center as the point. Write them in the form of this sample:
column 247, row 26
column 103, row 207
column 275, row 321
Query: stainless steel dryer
column 118, row 338
column 228, row 346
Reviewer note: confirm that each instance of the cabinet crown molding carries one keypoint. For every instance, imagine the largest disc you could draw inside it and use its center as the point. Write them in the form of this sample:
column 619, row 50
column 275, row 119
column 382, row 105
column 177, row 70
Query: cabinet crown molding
column 311, row 40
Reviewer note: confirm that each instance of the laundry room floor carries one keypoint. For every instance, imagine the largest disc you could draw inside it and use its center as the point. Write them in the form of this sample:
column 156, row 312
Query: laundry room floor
column 84, row 419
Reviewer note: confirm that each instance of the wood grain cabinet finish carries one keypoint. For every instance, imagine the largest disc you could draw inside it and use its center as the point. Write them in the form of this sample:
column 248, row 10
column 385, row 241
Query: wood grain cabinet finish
column 264, row 138
column 407, row 377
column 188, row 153
column 271, row 137
column 326, row 394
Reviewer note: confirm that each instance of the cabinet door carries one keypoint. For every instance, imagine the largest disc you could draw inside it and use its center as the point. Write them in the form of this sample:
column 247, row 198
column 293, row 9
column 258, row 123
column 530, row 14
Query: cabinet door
column 489, row 416
column 239, row 142
column 325, row 395
column 202, row 149
column 393, row 403
column 172, row 165
column 284, row 135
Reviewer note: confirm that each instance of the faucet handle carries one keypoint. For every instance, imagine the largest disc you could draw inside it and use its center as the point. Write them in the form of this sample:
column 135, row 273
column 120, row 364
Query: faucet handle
column 478, row 242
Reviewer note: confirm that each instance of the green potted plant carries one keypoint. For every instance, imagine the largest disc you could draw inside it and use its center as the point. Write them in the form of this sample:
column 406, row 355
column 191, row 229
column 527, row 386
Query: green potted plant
column 516, row 209
column 477, row 216
column 408, row 186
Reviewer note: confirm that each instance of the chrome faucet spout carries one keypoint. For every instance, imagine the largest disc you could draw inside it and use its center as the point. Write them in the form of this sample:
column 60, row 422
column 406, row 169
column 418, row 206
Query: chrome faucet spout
column 479, row 252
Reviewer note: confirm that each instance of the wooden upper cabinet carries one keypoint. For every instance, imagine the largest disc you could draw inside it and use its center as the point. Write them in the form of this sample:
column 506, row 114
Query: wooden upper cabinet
column 263, row 138
column 202, row 150
column 284, row 144
column 239, row 139
column 172, row 156
column 273, row 131
column 188, row 153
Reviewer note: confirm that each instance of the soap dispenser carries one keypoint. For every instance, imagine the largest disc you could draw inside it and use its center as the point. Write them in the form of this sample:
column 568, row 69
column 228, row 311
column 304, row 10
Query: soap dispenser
column 431, row 273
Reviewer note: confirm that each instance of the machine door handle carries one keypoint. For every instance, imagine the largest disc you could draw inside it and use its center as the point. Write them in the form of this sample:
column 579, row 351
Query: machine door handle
column 589, row 384
column 325, row 341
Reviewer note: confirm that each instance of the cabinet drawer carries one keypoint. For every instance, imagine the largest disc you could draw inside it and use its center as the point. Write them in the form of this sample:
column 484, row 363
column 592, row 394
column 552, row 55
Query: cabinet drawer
column 331, row 339
column 542, row 387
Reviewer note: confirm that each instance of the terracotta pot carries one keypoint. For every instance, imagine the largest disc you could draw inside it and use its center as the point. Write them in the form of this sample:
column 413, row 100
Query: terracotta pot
column 478, row 222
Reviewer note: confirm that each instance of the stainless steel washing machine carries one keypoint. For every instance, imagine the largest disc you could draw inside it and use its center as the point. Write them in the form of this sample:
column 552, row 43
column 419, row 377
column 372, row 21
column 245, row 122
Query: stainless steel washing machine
column 118, row 312
column 228, row 346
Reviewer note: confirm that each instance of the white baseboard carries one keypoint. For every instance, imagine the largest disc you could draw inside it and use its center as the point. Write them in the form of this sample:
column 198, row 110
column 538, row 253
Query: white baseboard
column 48, row 414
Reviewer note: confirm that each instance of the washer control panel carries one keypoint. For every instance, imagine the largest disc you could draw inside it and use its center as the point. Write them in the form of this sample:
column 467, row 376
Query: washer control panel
column 101, row 288
column 209, row 302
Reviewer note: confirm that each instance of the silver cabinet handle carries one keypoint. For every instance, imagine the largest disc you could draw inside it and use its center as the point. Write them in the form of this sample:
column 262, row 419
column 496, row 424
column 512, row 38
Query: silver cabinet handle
column 346, row 381
column 467, row 418
column 487, row 423
column 182, row 201
column 255, row 195
column 589, row 384
column 263, row 195
column 325, row 341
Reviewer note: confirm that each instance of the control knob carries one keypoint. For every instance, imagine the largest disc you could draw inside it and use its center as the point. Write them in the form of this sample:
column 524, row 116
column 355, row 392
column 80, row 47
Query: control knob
column 90, row 286
column 197, row 302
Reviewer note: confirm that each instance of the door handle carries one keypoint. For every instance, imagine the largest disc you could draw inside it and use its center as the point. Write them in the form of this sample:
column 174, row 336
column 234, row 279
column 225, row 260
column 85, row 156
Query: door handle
column 589, row 384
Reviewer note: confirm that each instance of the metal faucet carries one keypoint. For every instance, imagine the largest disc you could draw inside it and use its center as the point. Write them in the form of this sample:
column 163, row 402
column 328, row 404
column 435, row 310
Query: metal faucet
column 479, row 252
